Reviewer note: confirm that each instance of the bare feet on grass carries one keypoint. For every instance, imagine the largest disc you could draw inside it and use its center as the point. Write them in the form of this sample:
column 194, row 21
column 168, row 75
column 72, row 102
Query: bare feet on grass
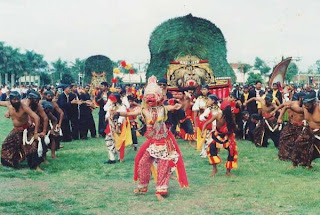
column 214, row 171
column 45, row 162
column 159, row 197
column 192, row 145
column 38, row 169
column 138, row 191
column 228, row 173
column 173, row 177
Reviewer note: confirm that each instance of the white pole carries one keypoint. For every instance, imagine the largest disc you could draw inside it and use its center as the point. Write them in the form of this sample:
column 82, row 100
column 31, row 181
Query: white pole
column 6, row 78
column 13, row 82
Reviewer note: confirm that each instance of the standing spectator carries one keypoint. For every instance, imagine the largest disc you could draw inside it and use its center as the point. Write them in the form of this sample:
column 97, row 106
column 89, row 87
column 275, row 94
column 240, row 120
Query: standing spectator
column 245, row 95
column 86, row 118
column 101, row 99
column 276, row 92
column 252, row 106
column 236, row 92
column 64, row 103
column 74, row 112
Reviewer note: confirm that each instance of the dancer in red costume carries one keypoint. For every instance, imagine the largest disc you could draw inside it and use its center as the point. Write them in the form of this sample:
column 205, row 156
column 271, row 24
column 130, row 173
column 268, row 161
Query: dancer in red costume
column 160, row 146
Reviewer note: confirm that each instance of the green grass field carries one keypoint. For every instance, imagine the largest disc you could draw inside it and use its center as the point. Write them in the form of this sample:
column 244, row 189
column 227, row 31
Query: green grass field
column 79, row 183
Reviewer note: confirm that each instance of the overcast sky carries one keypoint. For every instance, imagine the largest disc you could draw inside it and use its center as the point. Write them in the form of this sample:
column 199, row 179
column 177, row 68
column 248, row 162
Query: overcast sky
column 120, row 29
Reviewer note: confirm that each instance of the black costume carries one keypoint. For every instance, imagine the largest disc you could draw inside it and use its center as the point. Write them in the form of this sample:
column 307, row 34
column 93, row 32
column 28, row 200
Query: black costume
column 102, row 122
column 65, row 105
column 86, row 118
column 252, row 106
column 74, row 116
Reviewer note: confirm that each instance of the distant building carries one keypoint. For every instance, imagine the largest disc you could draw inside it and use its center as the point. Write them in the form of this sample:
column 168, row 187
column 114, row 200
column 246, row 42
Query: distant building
column 307, row 79
column 30, row 79
column 238, row 71
column 242, row 77
column 132, row 78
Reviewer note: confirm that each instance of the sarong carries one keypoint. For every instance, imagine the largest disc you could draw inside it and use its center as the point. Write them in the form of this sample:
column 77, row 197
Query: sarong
column 306, row 147
column 288, row 136
column 12, row 152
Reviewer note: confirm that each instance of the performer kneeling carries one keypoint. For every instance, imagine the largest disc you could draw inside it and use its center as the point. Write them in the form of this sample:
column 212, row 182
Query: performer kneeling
column 267, row 127
column 223, row 137
column 160, row 146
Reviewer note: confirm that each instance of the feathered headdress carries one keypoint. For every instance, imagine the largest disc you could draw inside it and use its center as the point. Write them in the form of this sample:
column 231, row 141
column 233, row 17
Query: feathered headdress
column 153, row 88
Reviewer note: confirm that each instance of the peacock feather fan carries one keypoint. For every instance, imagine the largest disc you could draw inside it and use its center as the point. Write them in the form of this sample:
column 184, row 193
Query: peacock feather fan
column 188, row 35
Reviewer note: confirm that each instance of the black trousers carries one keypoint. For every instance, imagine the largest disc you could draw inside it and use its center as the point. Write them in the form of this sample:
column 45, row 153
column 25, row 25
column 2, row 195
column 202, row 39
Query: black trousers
column 87, row 124
column 134, row 135
column 102, row 123
column 274, row 136
column 33, row 159
column 187, row 126
column 65, row 127
column 75, row 127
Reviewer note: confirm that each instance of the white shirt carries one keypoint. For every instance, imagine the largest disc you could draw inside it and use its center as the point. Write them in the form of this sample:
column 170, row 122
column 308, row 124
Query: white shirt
column 199, row 104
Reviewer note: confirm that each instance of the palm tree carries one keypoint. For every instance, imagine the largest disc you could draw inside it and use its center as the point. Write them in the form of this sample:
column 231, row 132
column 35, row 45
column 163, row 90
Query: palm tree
column 35, row 63
column 78, row 67
column 5, row 53
column 11, row 62
column 15, row 65
column 60, row 67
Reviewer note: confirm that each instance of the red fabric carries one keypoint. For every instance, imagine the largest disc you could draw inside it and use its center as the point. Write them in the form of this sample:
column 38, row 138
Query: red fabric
column 122, row 151
column 171, row 101
column 225, row 104
column 112, row 98
column 234, row 108
column 107, row 130
column 21, row 128
column 233, row 145
column 183, row 180
column 267, row 115
column 223, row 129
column 219, row 93
column 200, row 124
column 231, row 138
column 189, row 112
column 123, row 63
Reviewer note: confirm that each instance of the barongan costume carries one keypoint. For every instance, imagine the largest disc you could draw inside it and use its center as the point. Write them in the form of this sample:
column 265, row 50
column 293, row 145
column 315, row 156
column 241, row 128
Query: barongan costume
column 160, row 147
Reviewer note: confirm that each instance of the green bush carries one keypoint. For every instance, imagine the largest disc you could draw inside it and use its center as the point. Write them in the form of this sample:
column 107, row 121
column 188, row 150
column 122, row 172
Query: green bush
column 99, row 63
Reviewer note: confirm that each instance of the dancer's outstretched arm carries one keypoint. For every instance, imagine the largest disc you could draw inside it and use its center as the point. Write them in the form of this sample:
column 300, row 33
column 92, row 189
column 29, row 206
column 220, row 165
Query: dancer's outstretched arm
column 131, row 113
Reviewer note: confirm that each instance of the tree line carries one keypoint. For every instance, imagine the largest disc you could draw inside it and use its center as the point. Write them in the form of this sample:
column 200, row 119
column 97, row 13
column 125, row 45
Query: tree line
column 15, row 63
column 264, row 69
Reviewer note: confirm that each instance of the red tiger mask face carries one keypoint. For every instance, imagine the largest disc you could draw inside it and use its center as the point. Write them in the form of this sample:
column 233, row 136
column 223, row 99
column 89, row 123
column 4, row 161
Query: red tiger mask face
column 151, row 100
